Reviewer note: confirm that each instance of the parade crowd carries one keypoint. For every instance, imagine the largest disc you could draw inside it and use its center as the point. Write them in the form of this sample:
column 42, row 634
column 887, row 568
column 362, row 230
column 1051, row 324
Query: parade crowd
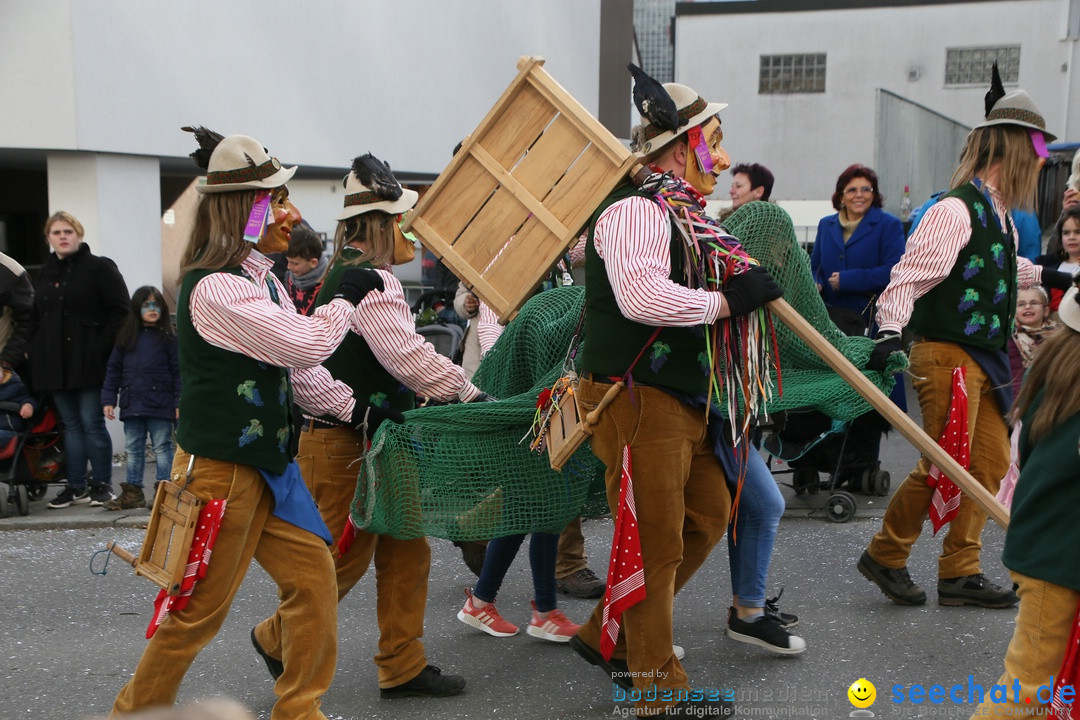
column 266, row 393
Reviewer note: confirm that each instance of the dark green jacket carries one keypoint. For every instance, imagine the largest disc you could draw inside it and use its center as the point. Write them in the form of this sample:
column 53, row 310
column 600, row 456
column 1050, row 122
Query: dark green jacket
column 1044, row 528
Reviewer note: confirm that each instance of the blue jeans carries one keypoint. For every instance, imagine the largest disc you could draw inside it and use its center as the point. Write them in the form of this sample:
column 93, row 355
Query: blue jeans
column 135, row 431
column 500, row 554
column 751, row 538
column 85, row 437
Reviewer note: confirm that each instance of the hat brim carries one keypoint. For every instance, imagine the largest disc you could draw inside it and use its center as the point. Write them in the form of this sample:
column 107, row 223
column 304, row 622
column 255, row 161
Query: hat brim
column 390, row 207
column 270, row 182
column 1069, row 309
column 1050, row 137
column 665, row 138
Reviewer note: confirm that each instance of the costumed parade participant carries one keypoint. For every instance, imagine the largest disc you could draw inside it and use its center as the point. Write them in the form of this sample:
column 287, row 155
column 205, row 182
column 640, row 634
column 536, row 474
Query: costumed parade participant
column 386, row 363
column 955, row 287
column 1042, row 663
column 238, row 336
column 647, row 318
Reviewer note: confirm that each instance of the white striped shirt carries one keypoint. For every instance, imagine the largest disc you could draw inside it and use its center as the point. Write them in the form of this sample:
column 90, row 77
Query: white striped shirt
column 488, row 328
column 930, row 255
column 385, row 321
column 236, row 313
column 633, row 238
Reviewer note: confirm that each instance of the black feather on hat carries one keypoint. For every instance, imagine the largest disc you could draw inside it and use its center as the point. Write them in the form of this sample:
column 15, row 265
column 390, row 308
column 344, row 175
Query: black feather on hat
column 653, row 101
column 376, row 175
column 996, row 91
column 208, row 140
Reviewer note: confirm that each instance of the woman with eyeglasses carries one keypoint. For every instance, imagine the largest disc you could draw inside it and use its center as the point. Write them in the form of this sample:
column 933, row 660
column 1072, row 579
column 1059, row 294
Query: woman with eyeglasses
column 80, row 302
column 144, row 372
column 855, row 249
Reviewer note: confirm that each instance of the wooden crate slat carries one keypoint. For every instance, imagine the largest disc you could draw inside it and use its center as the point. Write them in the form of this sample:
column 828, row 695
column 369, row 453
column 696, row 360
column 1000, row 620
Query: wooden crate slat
column 547, row 160
column 489, row 234
column 510, row 183
column 590, row 126
column 566, row 199
column 513, row 269
column 452, row 212
column 521, row 122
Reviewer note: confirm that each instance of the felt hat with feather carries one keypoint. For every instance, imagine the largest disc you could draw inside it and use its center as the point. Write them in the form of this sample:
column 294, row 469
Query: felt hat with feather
column 667, row 111
column 1012, row 108
column 236, row 162
column 371, row 185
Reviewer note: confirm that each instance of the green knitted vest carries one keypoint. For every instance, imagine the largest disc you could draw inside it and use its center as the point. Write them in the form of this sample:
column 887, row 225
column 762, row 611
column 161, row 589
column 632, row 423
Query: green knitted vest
column 676, row 358
column 974, row 305
column 353, row 363
column 232, row 407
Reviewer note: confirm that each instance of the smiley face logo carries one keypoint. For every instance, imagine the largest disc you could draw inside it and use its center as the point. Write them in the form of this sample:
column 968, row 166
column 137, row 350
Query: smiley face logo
column 862, row 693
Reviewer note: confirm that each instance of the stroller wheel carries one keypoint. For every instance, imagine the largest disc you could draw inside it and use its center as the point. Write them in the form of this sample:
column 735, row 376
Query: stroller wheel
column 804, row 480
column 22, row 499
column 4, row 500
column 840, row 507
column 880, row 482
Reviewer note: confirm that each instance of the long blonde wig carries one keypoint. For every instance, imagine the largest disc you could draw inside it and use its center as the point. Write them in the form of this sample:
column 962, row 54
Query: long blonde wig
column 1007, row 145
column 374, row 230
column 217, row 237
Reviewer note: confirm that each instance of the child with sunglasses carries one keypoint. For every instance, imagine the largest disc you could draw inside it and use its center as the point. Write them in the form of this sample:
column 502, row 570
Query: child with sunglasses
column 144, row 371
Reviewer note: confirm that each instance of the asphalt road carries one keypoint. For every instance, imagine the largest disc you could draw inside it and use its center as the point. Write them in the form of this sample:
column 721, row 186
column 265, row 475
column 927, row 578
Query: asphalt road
column 69, row 639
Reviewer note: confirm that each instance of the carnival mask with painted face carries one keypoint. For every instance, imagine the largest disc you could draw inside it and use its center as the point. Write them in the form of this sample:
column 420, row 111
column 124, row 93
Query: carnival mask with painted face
column 705, row 159
column 284, row 216
column 404, row 245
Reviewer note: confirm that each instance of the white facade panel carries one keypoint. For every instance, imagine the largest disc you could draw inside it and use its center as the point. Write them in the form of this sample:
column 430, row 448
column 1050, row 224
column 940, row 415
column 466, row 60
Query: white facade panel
column 318, row 82
column 808, row 139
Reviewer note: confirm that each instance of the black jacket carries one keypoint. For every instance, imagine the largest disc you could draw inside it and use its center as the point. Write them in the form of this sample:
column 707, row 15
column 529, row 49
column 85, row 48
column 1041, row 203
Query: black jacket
column 80, row 303
column 16, row 295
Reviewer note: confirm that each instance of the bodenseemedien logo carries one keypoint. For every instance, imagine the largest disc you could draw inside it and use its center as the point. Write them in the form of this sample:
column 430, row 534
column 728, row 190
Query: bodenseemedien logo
column 861, row 694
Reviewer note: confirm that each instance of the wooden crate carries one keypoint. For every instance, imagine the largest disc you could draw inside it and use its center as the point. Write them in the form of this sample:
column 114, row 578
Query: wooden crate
column 520, row 190
column 165, row 550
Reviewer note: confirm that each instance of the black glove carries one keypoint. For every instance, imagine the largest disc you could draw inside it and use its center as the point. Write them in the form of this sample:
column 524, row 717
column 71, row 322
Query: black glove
column 1056, row 279
column 375, row 417
column 750, row 290
column 887, row 344
column 484, row 397
column 358, row 282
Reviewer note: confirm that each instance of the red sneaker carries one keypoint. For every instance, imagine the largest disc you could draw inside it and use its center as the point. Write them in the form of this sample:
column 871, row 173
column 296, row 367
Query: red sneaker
column 486, row 618
column 556, row 627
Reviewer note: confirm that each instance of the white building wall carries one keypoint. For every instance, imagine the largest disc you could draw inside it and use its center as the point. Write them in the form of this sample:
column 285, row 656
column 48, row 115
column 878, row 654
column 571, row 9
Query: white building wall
column 808, row 139
column 318, row 82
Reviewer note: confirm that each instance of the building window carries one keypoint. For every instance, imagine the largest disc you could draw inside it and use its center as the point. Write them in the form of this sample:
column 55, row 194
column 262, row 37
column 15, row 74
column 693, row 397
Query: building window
column 971, row 66
column 785, row 74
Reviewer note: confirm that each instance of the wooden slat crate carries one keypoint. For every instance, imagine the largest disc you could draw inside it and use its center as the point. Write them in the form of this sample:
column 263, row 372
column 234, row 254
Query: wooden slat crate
column 520, row 190
column 165, row 550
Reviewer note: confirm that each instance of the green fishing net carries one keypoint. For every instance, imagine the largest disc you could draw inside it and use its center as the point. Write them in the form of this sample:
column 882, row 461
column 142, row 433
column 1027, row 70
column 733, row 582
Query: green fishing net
column 465, row 471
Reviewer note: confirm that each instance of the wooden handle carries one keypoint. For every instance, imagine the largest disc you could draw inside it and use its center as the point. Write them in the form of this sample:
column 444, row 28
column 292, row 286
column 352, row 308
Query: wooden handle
column 121, row 553
column 906, row 426
column 594, row 415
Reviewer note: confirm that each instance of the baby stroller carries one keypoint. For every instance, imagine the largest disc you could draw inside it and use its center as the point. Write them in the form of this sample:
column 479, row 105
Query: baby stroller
column 31, row 460
column 811, row 442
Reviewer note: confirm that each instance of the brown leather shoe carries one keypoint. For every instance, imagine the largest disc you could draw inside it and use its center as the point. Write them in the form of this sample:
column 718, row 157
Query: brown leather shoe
column 582, row 584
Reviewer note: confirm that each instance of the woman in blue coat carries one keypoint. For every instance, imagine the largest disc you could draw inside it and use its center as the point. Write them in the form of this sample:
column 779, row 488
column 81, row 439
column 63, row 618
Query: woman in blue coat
column 853, row 255
column 855, row 249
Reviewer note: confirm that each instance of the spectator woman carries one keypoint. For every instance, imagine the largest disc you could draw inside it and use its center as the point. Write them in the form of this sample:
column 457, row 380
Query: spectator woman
column 855, row 249
column 80, row 302
column 1063, row 250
